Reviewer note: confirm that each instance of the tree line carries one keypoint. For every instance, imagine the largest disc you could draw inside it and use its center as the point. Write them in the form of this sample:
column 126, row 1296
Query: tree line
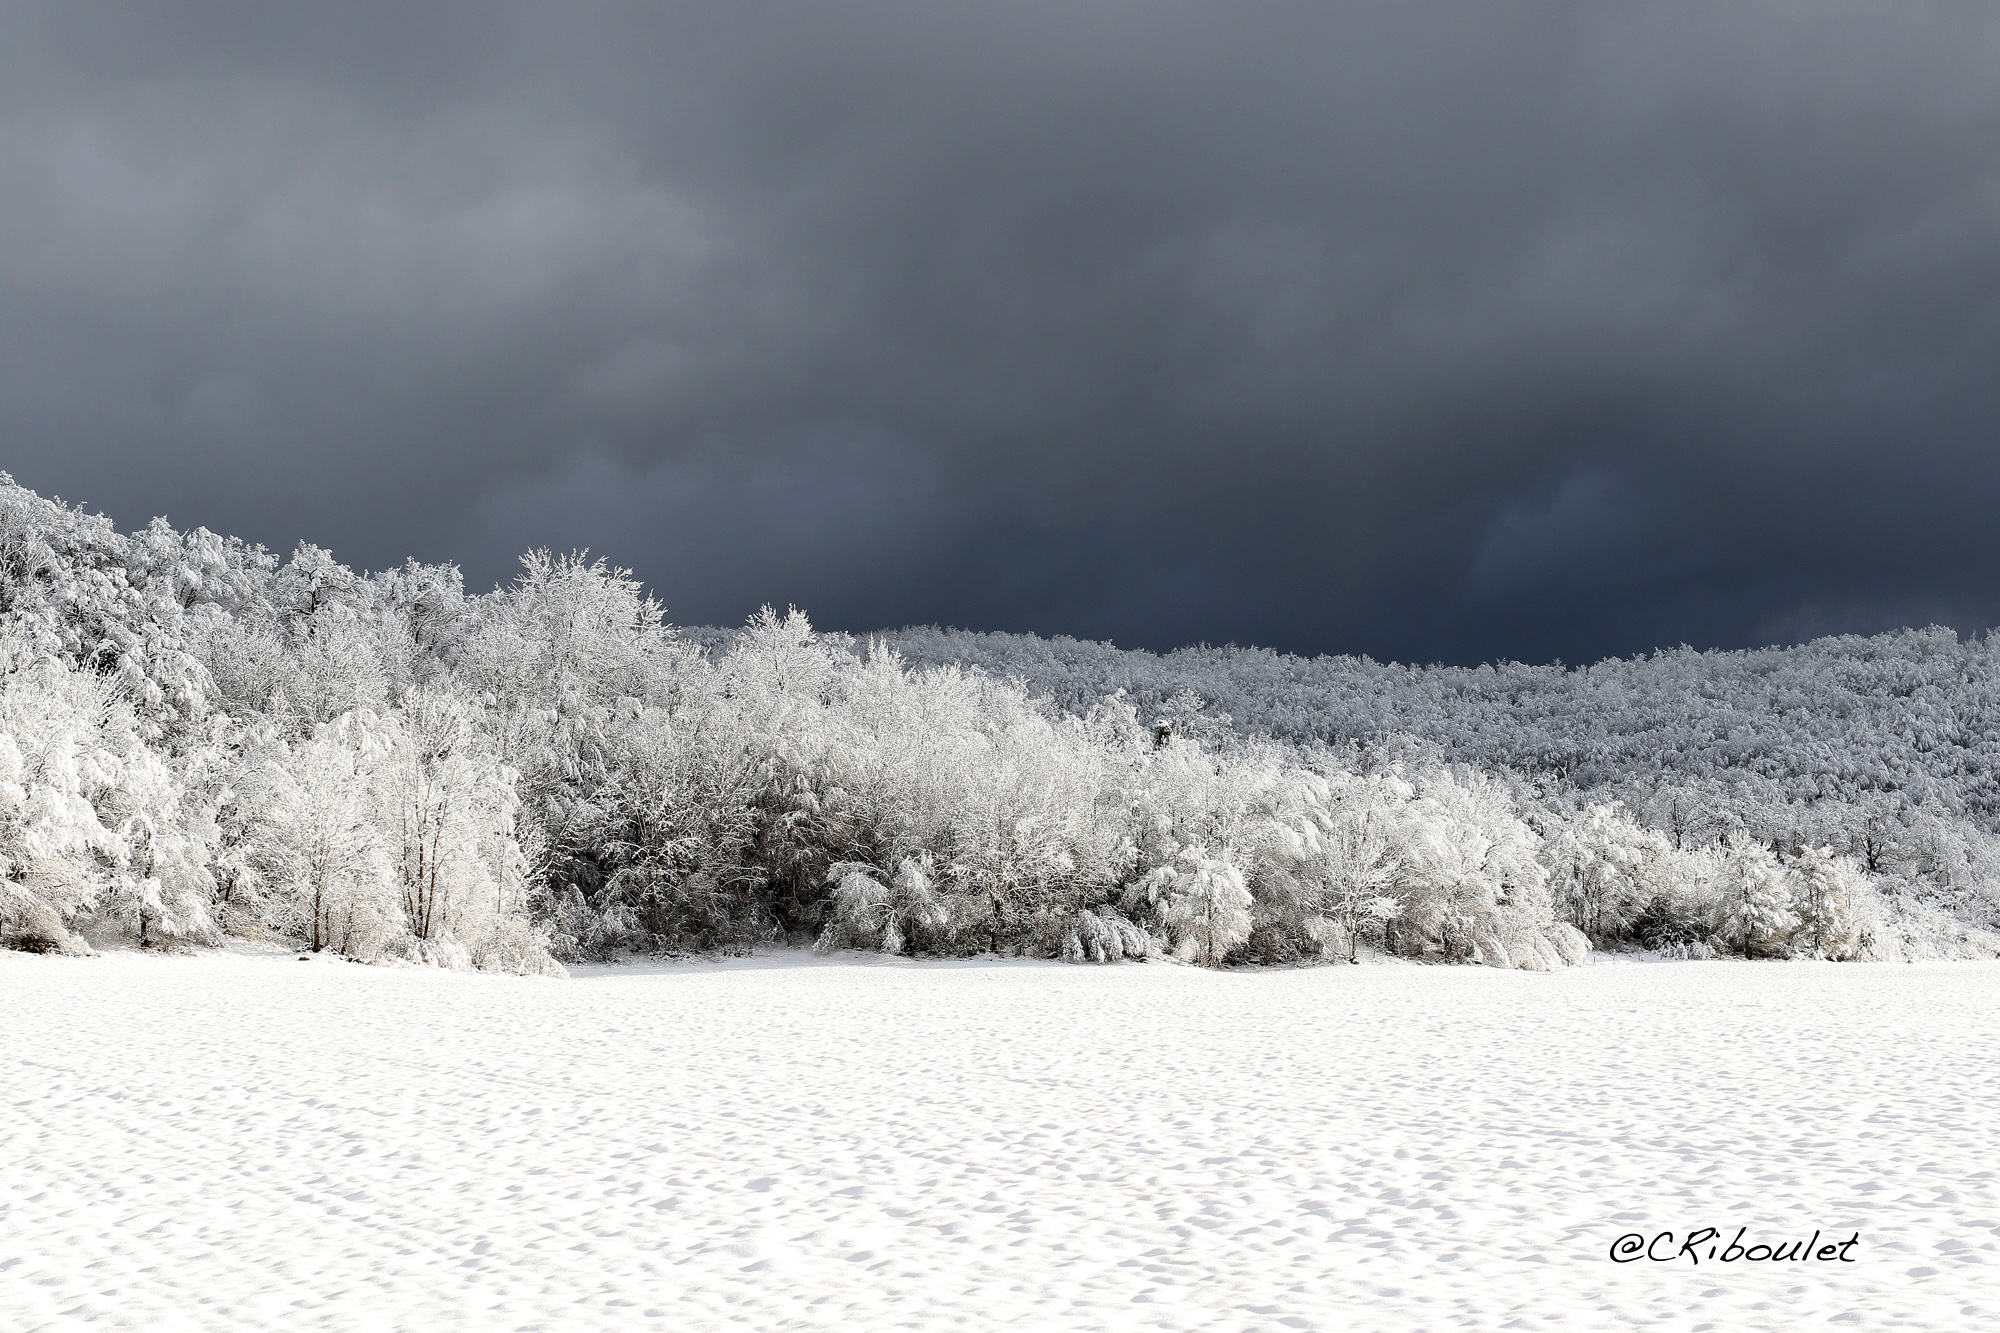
column 199, row 738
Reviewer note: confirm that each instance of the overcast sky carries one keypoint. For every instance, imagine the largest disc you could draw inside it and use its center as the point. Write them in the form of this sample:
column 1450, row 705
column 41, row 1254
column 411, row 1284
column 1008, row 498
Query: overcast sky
column 1444, row 332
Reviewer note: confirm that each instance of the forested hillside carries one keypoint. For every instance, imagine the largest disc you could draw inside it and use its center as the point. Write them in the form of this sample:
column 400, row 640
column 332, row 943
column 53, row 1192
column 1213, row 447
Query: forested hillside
column 1915, row 713
column 199, row 738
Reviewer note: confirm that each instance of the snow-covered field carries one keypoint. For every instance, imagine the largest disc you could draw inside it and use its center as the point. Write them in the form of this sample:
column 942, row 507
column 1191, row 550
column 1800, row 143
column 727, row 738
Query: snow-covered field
column 231, row 1142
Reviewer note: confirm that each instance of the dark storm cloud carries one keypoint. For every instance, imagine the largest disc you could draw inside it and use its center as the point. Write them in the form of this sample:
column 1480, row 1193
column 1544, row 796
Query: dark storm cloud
column 1429, row 331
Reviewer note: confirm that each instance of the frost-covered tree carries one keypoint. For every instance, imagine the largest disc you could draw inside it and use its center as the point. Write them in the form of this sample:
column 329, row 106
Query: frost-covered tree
column 1753, row 903
column 1605, row 869
column 894, row 917
column 1355, row 867
column 320, row 847
column 93, row 827
column 1838, row 914
column 1202, row 902
column 450, row 808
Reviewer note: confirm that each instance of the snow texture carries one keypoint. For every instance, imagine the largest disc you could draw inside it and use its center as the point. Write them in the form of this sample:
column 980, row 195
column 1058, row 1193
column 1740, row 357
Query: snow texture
column 236, row 1142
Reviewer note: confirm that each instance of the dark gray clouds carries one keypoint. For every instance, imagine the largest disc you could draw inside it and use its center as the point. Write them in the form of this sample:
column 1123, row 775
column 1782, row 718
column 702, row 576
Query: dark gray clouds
column 1445, row 331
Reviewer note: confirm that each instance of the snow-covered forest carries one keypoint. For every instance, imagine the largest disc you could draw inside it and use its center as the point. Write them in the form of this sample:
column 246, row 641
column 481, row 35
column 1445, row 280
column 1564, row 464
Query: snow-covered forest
column 201, row 739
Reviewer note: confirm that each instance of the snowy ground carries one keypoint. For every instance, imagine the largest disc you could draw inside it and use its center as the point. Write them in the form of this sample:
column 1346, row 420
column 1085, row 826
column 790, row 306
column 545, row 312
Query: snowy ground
column 233, row 1142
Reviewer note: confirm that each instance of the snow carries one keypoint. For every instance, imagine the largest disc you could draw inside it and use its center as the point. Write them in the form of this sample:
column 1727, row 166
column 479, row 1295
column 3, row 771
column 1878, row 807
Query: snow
column 229, row 1141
